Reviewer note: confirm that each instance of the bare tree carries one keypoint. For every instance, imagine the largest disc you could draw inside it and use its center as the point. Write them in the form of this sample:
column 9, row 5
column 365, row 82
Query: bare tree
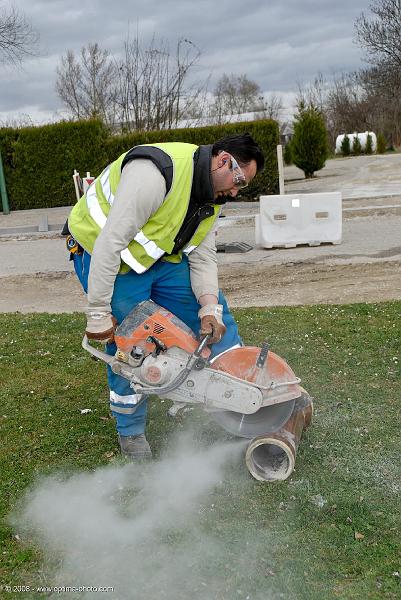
column 144, row 90
column 366, row 100
column 271, row 107
column 86, row 84
column 348, row 108
column 236, row 94
column 22, row 120
column 344, row 102
column 17, row 38
column 381, row 36
column 382, row 88
column 68, row 86
column 196, row 106
column 314, row 94
column 369, row 99
column 153, row 90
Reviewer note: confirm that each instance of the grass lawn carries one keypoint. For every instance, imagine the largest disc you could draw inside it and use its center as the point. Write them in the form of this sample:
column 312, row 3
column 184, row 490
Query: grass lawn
column 331, row 531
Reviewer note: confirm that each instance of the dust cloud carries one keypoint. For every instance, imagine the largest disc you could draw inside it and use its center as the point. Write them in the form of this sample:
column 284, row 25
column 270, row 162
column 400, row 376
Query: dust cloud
column 150, row 531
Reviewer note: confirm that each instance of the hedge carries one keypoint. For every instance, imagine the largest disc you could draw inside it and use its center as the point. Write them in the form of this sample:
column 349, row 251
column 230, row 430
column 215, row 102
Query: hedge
column 39, row 161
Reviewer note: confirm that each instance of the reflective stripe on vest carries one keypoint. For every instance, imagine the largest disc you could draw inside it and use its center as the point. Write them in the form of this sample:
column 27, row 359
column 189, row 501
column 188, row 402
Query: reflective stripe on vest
column 129, row 260
column 94, row 208
column 105, row 181
column 100, row 219
column 189, row 249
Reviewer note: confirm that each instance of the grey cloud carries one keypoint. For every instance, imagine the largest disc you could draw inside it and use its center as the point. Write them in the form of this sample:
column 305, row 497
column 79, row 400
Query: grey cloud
column 276, row 43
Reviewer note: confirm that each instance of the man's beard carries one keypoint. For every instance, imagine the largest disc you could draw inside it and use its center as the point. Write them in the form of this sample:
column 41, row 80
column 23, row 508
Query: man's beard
column 222, row 199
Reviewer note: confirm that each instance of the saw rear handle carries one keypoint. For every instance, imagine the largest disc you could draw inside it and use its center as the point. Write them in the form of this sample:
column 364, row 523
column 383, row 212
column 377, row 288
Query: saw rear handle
column 195, row 361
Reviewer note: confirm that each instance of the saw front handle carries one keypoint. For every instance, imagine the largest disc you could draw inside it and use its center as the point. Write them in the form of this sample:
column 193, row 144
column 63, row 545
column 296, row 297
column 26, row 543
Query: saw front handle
column 99, row 354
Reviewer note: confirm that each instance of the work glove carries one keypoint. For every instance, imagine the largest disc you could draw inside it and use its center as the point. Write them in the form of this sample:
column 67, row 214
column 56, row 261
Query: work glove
column 211, row 317
column 100, row 326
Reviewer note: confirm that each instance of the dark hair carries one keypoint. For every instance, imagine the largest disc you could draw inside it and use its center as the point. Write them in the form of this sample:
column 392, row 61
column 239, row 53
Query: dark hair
column 243, row 148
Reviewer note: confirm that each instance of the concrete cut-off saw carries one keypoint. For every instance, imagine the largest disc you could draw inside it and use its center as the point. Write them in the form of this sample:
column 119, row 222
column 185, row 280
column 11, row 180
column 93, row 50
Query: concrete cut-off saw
column 251, row 392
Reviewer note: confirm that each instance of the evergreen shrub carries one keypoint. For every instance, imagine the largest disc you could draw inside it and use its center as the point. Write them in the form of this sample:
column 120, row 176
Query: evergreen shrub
column 369, row 144
column 309, row 145
column 381, row 144
column 287, row 154
column 356, row 146
column 345, row 146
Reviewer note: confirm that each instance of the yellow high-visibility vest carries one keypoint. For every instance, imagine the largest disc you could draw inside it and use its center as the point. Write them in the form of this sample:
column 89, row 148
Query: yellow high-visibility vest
column 157, row 237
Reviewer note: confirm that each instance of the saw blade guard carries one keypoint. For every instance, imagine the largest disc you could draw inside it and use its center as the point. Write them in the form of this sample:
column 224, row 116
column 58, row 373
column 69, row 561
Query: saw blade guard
column 276, row 379
column 273, row 374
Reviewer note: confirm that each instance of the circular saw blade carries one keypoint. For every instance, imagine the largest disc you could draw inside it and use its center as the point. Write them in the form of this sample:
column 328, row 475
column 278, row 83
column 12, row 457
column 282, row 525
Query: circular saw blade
column 266, row 420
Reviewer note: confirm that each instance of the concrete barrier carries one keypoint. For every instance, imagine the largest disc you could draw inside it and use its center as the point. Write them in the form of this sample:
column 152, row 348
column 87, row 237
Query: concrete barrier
column 289, row 220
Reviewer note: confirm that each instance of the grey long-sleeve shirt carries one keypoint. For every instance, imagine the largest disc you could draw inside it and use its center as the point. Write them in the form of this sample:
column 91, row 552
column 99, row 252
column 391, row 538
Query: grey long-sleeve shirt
column 140, row 193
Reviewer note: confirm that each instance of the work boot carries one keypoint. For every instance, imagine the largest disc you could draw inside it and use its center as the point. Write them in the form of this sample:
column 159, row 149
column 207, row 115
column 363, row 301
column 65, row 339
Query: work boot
column 135, row 447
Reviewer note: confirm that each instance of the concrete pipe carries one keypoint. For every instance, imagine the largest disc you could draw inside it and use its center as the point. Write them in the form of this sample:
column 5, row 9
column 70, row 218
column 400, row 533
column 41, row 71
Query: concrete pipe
column 271, row 457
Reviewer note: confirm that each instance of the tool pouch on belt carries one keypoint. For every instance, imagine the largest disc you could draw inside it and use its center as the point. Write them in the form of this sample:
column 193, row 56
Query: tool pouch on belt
column 72, row 245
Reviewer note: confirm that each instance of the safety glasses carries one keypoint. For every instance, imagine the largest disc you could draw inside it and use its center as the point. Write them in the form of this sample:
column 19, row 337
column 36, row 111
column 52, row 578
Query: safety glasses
column 239, row 178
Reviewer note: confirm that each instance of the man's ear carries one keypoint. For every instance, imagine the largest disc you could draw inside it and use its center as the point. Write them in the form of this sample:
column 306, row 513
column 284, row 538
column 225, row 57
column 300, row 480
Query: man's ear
column 223, row 159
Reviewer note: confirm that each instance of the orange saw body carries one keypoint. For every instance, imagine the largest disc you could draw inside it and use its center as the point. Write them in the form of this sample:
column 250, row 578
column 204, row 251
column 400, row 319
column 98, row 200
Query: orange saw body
column 247, row 390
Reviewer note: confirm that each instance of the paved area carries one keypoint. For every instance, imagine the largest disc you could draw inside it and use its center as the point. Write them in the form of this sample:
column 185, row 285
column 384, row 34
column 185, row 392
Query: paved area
column 30, row 219
column 365, row 240
column 356, row 177
column 26, row 257
column 36, row 275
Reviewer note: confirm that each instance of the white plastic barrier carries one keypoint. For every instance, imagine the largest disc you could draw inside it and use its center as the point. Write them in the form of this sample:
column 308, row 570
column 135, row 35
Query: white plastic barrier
column 293, row 219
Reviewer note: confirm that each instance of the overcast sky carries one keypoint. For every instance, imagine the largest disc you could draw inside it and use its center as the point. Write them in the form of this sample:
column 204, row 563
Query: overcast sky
column 276, row 43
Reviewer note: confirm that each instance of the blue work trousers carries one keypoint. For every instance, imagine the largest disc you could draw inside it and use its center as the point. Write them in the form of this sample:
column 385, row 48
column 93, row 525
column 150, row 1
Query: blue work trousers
column 167, row 284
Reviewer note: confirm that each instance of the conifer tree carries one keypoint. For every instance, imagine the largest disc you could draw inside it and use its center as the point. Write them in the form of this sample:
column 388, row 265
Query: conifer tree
column 356, row 146
column 309, row 145
column 369, row 144
column 287, row 154
column 381, row 144
column 345, row 146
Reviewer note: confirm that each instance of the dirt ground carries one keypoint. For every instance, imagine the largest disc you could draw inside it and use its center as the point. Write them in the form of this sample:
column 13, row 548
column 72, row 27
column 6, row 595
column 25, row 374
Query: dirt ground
column 264, row 286
column 35, row 275
column 311, row 284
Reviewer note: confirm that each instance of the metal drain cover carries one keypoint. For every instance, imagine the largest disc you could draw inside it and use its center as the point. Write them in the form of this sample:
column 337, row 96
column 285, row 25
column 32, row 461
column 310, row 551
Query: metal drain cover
column 232, row 247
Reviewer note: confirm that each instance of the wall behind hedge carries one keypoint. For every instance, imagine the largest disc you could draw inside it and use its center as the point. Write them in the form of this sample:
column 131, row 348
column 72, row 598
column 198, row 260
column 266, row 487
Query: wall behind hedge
column 39, row 161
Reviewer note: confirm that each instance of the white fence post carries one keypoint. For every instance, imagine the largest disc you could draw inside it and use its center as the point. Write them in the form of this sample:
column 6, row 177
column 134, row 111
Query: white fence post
column 280, row 169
